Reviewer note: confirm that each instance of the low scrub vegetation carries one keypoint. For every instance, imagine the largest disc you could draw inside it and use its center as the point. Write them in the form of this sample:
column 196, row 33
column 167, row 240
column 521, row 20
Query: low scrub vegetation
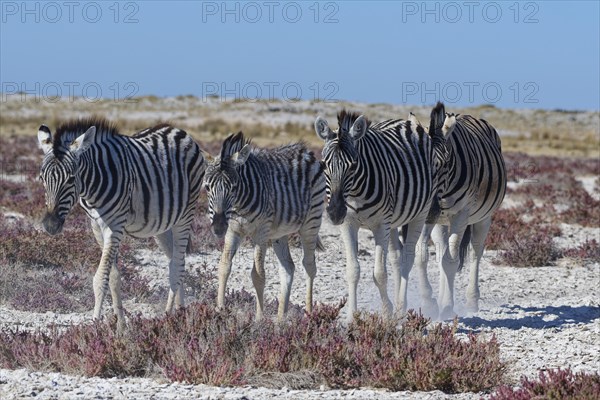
column 523, row 237
column 553, row 384
column 547, row 194
column 202, row 345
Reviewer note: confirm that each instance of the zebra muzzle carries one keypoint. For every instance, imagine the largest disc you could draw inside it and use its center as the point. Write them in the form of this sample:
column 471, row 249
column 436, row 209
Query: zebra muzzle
column 336, row 210
column 52, row 223
column 219, row 225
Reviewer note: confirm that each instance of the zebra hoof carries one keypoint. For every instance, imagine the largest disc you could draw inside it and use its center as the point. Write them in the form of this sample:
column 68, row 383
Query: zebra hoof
column 472, row 306
column 387, row 309
column 447, row 313
column 429, row 308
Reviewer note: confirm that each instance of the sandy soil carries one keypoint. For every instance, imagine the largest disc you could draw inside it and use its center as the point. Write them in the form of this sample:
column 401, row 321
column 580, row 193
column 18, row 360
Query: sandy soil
column 544, row 317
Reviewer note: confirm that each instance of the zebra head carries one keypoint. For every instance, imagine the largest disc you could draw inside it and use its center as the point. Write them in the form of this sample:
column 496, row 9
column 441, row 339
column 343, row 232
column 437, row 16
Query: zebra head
column 341, row 160
column 59, row 174
column 222, row 181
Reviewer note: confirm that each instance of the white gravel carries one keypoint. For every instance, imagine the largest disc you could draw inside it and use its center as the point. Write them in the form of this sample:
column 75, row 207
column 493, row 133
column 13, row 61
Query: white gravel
column 543, row 318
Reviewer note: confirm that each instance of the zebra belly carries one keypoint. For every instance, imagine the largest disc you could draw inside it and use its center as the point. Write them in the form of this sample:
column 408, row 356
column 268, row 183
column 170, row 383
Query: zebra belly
column 475, row 216
column 140, row 229
column 396, row 218
column 143, row 234
column 268, row 229
column 159, row 213
column 283, row 230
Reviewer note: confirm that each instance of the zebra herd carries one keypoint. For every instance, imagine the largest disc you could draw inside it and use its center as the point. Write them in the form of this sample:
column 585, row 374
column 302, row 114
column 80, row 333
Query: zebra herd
column 403, row 181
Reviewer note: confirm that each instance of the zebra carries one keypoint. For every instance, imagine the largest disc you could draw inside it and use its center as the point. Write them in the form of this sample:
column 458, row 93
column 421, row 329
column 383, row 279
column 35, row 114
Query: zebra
column 266, row 195
column 378, row 176
column 143, row 185
column 471, row 186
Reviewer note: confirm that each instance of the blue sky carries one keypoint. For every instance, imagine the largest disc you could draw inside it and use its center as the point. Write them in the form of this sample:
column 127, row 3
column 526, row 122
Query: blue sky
column 527, row 54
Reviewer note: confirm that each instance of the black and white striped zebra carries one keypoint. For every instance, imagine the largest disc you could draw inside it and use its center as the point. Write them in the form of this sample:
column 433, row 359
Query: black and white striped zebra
column 379, row 177
column 266, row 195
column 143, row 185
column 472, row 185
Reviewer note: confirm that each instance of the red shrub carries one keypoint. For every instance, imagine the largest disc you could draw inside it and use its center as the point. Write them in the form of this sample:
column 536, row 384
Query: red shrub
column 201, row 345
column 589, row 250
column 553, row 384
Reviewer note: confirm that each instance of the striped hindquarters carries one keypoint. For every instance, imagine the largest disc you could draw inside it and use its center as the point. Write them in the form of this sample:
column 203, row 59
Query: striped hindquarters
column 476, row 173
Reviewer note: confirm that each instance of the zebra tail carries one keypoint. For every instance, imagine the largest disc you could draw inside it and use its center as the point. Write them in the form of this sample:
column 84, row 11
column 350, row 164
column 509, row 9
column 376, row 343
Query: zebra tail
column 404, row 233
column 320, row 246
column 434, row 211
column 464, row 245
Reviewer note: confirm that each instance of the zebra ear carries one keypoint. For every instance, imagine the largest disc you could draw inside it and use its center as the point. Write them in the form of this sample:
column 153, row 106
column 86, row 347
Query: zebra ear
column 359, row 128
column 45, row 139
column 83, row 142
column 241, row 156
column 413, row 119
column 449, row 124
column 208, row 157
column 322, row 128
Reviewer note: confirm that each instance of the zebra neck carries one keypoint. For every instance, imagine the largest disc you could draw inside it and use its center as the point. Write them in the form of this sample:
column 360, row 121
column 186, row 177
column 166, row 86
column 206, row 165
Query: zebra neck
column 84, row 174
column 361, row 174
column 451, row 155
column 92, row 172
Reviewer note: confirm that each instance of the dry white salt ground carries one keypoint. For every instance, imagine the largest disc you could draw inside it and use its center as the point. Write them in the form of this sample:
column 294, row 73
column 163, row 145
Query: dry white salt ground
column 543, row 318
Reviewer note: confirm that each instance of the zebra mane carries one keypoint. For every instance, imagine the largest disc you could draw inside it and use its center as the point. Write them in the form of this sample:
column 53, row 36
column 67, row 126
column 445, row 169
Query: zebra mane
column 232, row 144
column 346, row 119
column 71, row 129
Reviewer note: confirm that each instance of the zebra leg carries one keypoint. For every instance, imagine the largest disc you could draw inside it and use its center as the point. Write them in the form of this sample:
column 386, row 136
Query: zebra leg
column 429, row 305
column 286, row 274
column 309, row 245
column 115, row 291
column 114, row 280
column 450, row 259
column 439, row 236
column 165, row 243
column 178, row 240
column 413, row 234
column 478, row 236
column 395, row 251
column 97, row 230
column 181, row 245
column 232, row 242
column 382, row 238
column 258, row 278
column 349, row 233
column 110, row 249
